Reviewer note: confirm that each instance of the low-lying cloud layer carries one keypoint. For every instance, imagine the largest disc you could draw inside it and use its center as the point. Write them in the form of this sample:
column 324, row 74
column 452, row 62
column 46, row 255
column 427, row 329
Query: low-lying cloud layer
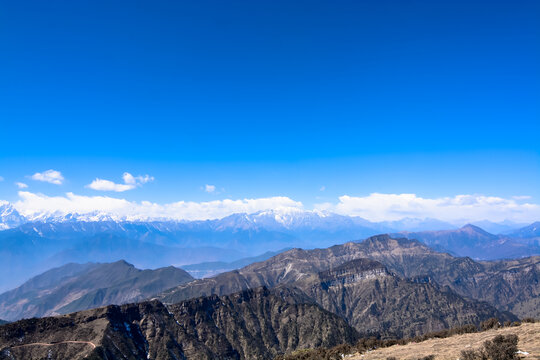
column 388, row 207
column 374, row 207
column 32, row 204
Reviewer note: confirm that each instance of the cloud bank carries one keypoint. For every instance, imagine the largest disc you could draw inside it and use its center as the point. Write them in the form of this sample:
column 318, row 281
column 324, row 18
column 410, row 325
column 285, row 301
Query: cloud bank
column 31, row 204
column 388, row 207
column 51, row 176
column 130, row 183
column 374, row 207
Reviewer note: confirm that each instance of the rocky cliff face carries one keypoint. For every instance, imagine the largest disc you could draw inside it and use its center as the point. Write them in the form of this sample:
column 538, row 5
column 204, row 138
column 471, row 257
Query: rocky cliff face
column 509, row 285
column 377, row 302
column 352, row 272
column 254, row 324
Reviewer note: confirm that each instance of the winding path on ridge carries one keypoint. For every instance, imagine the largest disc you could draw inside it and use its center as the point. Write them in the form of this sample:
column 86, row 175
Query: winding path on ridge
column 55, row 343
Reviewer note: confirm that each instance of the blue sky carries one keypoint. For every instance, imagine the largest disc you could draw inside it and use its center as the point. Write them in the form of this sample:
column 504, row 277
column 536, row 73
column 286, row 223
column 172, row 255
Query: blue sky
column 272, row 98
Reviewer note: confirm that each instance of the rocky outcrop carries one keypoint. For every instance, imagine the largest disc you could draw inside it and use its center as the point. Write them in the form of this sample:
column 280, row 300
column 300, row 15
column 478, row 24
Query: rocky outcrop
column 376, row 302
column 254, row 324
column 508, row 285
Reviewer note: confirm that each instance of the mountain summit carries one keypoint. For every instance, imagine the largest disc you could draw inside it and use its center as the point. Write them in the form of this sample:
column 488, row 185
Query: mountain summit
column 9, row 216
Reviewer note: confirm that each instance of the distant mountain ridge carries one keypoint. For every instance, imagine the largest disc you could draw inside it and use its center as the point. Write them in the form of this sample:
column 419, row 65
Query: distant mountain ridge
column 75, row 287
column 28, row 254
column 510, row 285
column 33, row 245
column 470, row 240
column 279, row 225
column 207, row 269
column 530, row 231
column 274, row 220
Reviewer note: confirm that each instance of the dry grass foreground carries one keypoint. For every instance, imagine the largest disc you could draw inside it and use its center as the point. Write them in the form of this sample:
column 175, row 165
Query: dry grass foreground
column 450, row 348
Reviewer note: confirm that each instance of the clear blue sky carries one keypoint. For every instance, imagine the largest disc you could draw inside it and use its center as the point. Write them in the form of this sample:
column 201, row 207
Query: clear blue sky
column 264, row 98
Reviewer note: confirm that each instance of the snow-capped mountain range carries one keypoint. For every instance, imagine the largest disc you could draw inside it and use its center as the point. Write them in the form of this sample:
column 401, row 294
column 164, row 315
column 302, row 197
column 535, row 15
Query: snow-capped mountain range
column 31, row 244
column 283, row 219
column 10, row 217
column 279, row 219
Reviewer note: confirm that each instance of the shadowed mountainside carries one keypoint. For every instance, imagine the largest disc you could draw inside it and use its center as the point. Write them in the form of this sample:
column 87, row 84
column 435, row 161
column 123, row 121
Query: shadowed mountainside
column 508, row 285
column 75, row 287
column 377, row 302
column 254, row 324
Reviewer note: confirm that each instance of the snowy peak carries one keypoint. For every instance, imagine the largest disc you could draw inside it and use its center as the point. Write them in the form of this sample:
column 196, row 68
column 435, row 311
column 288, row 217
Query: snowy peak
column 9, row 216
column 288, row 219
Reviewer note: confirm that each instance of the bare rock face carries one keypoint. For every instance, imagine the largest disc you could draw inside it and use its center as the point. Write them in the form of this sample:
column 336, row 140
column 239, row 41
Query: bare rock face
column 254, row 324
column 508, row 285
column 376, row 302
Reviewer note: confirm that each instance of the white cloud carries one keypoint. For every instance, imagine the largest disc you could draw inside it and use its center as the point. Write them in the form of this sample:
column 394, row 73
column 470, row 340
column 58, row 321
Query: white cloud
column 21, row 185
column 381, row 207
column 209, row 188
column 130, row 183
column 322, row 188
column 31, row 204
column 50, row 176
column 1, row 178
column 107, row 185
column 134, row 180
column 374, row 207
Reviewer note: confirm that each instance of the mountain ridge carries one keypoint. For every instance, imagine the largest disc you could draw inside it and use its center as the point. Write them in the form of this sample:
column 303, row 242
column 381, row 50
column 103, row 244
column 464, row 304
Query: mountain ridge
column 473, row 241
column 507, row 285
column 76, row 287
column 253, row 324
column 281, row 218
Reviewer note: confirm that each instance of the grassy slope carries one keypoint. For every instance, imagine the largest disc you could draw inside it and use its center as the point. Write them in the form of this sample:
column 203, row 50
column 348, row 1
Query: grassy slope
column 450, row 348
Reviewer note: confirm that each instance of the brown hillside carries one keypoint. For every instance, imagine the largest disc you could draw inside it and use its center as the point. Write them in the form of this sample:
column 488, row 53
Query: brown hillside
column 450, row 348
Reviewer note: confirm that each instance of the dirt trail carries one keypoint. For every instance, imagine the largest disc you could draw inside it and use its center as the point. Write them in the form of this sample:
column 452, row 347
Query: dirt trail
column 56, row 343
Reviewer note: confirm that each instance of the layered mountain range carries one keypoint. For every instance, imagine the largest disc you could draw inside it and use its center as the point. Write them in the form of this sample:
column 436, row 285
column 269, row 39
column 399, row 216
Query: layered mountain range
column 382, row 286
column 75, row 287
column 509, row 285
column 32, row 245
column 253, row 324
column 473, row 241
column 379, row 303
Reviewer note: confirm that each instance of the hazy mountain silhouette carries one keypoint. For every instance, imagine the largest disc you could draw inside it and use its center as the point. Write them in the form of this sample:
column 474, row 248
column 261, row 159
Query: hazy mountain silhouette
column 75, row 287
